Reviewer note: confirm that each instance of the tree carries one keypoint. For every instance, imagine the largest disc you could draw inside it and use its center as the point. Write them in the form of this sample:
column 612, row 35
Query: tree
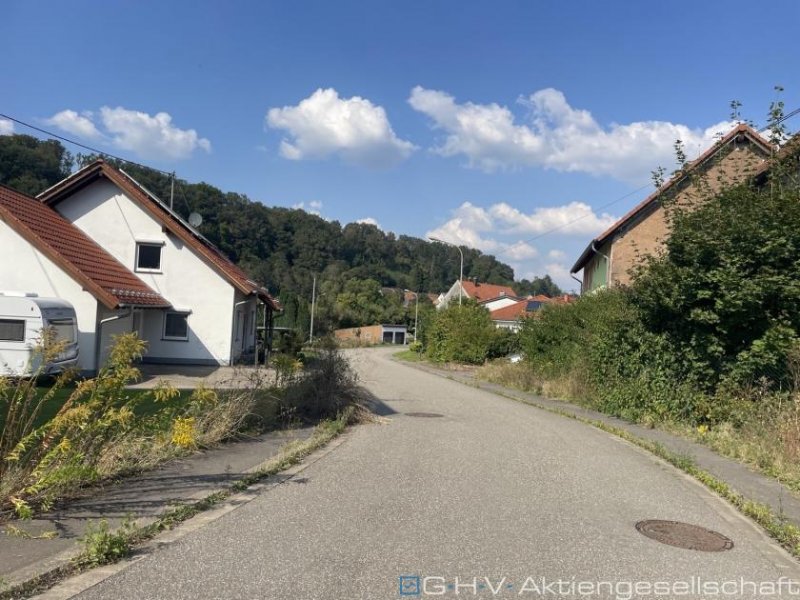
column 30, row 165
column 538, row 285
column 727, row 296
column 460, row 334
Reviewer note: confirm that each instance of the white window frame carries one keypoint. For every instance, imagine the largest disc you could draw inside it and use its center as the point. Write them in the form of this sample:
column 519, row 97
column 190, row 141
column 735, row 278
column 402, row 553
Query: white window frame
column 183, row 313
column 160, row 245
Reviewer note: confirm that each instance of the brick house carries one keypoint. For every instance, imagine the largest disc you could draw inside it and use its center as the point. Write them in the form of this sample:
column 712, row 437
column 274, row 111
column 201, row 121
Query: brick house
column 609, row 258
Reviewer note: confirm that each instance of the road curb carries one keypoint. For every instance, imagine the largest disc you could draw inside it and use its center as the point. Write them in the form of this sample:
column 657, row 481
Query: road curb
column 763, row 501
column 72, row 586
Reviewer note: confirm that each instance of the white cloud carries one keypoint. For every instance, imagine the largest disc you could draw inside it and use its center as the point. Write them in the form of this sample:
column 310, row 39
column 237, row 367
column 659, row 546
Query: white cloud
column 325, row 125
column 555, row 136
column 149, row 136
column 71, row 122
column 497, row 230
column 6, row 127
column 573, row 218
column 313, row 208
column 465, row 227
column 369, row 221
column 520, row 251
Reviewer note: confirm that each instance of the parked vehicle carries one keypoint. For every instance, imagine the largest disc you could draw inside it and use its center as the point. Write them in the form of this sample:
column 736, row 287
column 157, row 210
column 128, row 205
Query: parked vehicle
column 24, row 317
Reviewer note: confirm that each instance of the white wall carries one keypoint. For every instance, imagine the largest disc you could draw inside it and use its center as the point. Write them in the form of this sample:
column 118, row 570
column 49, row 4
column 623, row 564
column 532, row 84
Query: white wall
column 500, row 302
column 116, row 223
column 452, row 296
column 23, row 268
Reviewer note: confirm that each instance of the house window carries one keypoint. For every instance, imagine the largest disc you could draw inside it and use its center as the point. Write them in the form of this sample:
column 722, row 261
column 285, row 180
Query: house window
column 148, row 256
column 12, row 330
column 176, row 326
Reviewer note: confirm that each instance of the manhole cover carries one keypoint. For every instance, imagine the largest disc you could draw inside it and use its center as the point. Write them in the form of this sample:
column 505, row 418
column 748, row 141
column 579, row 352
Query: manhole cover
column 684, row 535
column 423, row 414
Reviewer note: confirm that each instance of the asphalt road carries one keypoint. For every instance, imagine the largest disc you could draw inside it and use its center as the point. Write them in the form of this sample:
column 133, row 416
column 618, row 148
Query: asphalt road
column 492, row 489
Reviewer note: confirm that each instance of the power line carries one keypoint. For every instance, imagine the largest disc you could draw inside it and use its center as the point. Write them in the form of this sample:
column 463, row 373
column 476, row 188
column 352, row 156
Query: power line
column 563, row 225
column 84, row 146
column 575, row 220
column 781, row 120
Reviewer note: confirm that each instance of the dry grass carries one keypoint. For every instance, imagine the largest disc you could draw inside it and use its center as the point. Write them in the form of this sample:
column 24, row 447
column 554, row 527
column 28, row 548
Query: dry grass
column 765, row 437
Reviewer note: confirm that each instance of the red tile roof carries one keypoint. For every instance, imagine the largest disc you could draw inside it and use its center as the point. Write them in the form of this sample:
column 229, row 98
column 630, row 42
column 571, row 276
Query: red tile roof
column 511, row 312
column 519, row 309
column 733, row 135
column 136, row 192
column 100, row 273
column 486, row 291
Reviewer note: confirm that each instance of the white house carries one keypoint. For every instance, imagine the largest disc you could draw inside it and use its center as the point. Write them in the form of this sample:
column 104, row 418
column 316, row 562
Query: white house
column 45, row 254
column 212, row 304
column 490, row 295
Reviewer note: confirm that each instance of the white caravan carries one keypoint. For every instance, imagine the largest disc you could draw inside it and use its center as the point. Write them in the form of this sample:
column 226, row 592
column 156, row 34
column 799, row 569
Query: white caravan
column 23, row 318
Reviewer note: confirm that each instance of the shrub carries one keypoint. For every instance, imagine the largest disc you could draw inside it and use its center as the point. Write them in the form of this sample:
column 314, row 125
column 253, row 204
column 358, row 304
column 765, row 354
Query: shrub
column 502, row 343
column 323, row 390
column 460, row 334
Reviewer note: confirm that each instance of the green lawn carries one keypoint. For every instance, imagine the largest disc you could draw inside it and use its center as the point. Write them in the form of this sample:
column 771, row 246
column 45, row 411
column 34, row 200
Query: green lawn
column 409, row 355
column 51, row 407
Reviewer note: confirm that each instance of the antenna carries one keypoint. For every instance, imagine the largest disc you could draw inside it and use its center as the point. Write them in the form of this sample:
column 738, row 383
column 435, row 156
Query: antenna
column 195, row 219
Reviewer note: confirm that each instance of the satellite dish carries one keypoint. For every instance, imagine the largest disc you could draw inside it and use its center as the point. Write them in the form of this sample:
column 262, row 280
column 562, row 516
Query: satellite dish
column 195, row 219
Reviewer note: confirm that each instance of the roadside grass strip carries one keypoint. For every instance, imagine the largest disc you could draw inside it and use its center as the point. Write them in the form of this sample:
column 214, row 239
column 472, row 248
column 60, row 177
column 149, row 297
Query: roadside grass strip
column 786, row 534
column 102, row 546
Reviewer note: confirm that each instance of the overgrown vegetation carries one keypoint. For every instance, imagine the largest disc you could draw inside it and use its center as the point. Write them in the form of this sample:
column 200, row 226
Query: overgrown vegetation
column 704, row 341
column 465, row 334
column 98, row 433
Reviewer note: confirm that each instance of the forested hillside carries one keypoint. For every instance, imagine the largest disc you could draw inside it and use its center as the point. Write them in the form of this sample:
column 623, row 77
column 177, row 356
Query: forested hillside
column 284, row 248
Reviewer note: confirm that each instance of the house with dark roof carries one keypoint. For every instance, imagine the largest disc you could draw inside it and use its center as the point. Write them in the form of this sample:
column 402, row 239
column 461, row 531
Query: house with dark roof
column 145, row 268
column 491, row 295
column 609, row 258
column 45, row 254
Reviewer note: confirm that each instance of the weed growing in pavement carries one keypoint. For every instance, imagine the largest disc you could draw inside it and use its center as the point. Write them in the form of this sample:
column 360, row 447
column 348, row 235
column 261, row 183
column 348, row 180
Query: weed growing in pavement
column 102, row 546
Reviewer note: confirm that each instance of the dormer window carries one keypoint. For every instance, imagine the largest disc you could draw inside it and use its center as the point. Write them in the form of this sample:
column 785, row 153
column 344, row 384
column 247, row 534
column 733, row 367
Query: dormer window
column 148, row 256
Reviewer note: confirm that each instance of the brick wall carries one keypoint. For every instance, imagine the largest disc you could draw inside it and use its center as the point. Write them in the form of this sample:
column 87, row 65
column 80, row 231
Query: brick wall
column 361, row 336
column 646, row 235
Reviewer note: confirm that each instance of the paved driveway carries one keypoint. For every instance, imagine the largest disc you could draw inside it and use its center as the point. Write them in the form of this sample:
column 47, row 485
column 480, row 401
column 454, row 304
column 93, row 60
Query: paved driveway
column 491, row 491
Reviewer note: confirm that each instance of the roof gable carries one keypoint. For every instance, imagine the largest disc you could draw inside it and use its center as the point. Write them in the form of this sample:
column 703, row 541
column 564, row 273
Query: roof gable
column 101, row 274
column 511, row 312
column 486, row 291
column 738, row 132
column 220, row 263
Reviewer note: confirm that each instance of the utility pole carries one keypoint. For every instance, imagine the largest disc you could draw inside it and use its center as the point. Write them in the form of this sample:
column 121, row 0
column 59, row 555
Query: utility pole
column 416, row 315
column 313, row 303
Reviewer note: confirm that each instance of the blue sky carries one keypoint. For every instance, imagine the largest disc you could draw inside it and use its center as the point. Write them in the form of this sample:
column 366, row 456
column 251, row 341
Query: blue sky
column 489, row 124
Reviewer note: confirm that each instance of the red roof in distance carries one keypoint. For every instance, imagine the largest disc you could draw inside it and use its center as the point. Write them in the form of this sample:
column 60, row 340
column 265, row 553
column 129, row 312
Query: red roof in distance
column 486, row 291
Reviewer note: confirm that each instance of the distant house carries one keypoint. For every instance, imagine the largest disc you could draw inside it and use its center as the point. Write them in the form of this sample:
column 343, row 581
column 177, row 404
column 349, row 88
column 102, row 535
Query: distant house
column 493, row 296
column 146, row 269
column 371, row 335
column 609, row 258
column 510, row 316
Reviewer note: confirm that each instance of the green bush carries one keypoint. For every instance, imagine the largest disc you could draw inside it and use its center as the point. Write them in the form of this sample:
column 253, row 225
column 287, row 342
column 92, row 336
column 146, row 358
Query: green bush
column 502, row 343
column 704, row 322
column 460, row 334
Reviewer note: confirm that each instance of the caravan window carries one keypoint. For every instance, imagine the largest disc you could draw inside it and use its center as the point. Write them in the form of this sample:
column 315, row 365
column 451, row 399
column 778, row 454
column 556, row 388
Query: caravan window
column 12, row 330
column 64, row 329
